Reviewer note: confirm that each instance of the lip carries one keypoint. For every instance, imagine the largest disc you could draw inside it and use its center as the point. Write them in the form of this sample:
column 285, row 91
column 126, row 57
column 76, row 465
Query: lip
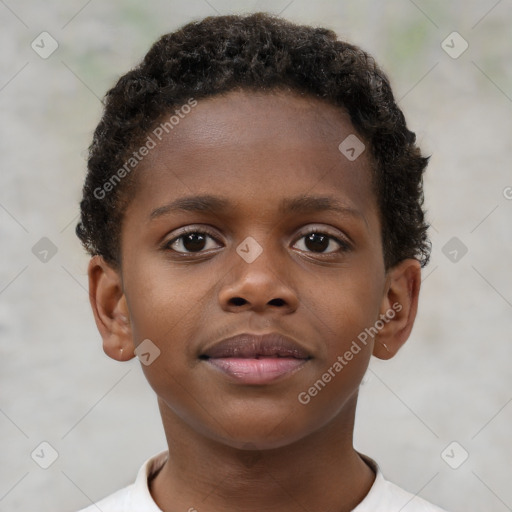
column 256, row 359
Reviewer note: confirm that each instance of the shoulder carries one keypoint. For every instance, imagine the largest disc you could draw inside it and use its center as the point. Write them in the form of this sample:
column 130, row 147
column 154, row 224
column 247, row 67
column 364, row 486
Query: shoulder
column 116, row 502
column 407, row 501
column 136, row 496
column 386, row 496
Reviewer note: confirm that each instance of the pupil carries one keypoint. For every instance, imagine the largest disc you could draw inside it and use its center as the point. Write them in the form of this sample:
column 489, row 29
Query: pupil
column 315, row 241
column 193, row 242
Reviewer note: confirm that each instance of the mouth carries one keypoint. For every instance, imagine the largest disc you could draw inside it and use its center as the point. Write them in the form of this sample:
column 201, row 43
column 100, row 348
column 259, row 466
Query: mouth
column 256, row 359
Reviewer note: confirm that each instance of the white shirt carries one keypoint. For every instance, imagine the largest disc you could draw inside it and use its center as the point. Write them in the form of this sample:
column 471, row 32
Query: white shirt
column 383, row 496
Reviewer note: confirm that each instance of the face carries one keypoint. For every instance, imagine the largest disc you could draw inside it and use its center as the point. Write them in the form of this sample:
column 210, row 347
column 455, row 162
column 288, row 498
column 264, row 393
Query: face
column 286, row 239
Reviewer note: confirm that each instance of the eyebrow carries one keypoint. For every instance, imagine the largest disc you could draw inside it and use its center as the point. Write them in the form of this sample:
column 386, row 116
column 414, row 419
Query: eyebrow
column 215, row 204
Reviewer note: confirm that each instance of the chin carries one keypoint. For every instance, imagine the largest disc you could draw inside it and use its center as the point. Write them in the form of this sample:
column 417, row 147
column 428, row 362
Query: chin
column 265, row 431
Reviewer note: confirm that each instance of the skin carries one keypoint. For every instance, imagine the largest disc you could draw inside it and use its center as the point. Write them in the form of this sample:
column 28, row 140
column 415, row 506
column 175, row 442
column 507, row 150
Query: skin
column 242, row 447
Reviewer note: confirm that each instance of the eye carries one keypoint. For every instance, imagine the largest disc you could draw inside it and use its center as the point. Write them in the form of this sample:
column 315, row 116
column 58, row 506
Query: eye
column 320, row 242
column 196, row 240
column 192, row 240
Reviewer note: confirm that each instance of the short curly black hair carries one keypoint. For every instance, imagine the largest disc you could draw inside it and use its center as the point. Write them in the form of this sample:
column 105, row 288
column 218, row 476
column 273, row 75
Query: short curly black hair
column 264, row 53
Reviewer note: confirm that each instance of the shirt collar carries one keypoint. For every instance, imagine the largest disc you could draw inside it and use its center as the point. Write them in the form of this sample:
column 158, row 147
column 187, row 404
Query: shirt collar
column 141, row 498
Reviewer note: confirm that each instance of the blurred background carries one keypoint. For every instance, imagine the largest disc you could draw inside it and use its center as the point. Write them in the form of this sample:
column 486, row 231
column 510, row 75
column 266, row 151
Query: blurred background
column 437, row 417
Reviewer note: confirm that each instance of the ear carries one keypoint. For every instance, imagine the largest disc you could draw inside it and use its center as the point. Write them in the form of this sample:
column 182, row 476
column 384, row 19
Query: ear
column 398, row 308
column 110, row 309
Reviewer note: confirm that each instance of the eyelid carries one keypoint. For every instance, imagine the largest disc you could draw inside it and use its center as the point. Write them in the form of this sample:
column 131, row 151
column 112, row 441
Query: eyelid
column 194, row 228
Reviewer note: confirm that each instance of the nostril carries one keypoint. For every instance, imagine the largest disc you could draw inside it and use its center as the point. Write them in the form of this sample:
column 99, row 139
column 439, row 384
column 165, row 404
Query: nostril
column 237, row 301
column 277, row 302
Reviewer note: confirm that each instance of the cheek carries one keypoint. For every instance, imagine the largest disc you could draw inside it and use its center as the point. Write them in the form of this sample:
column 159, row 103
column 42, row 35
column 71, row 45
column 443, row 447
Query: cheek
column 343, row 305
column 164, row 303
column 164, row 307
column 346, row 351
column 340, row 310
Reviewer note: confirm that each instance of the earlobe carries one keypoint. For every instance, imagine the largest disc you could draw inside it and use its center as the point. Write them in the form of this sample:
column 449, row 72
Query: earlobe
column 110, row 309
column 398, row 308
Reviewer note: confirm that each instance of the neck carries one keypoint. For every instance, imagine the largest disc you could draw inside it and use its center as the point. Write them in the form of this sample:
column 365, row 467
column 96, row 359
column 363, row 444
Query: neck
column 319, row 472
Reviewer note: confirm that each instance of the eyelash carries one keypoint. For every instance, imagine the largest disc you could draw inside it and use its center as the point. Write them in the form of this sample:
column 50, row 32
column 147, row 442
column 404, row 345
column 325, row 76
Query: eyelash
column 344, row 246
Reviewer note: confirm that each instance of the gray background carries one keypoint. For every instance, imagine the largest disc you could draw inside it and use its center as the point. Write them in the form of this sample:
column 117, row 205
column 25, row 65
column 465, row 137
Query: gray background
column 451, row 382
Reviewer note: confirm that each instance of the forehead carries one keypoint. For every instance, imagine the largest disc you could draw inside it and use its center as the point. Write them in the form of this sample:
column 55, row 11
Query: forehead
column 245, row 117
column 274, row 144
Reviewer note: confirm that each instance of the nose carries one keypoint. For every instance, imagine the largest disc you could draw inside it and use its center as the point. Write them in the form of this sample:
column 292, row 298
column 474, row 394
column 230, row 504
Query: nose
column 259, row 286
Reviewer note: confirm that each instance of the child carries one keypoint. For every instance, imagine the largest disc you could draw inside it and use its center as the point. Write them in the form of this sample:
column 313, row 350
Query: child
column 236, row 146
